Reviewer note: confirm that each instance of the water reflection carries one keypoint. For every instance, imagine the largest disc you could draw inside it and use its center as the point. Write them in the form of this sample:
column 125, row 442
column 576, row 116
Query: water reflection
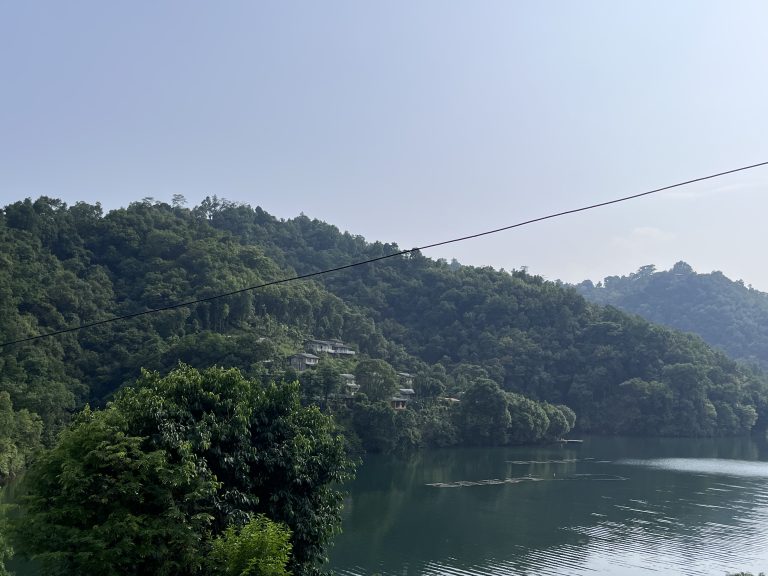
column 706, row 466
column 680, row 506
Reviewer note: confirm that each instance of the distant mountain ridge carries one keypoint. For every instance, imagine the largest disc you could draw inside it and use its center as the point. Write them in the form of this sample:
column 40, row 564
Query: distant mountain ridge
column 725, row 313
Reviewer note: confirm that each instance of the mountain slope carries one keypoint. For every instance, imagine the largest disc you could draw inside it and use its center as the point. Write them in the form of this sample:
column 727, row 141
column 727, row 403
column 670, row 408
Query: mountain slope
column 454, row 327
column 726, row 314
column 529, row 335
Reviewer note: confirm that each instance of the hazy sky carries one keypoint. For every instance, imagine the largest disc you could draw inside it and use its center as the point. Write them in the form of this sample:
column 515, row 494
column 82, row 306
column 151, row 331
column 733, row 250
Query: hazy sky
column 409, row 121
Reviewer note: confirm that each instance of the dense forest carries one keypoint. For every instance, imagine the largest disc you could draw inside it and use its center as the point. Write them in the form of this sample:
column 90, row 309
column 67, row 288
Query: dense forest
column 725, row 313
column 450, row 326
column 540, row 339
column 443, row 354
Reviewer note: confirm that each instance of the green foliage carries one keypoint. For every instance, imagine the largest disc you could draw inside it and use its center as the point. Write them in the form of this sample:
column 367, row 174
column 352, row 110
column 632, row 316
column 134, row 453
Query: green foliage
column 483, row 416
column 6, row 551
column 528, row 420
column 430, row 384
column 377, row 379
column 105, row 501
column 20, row 438
column 63, row 266
column 450, row 325
column 726, row 314
column 140, row 486
column 438, row 428
column 320, row 384
column 271, row 455
column 558, row 423
column 375, row 426
column 570, row 416
column 260, row 548
column 408, row 432
column 532, row 337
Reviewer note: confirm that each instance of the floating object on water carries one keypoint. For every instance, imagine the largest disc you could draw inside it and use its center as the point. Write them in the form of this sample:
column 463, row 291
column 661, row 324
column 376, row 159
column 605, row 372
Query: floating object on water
column 519, row 480
column 489, row 482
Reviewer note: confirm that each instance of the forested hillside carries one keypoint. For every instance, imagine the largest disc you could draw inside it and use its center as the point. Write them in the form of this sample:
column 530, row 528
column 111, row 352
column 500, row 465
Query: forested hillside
column 621, row 374
column 726, row 314
column 516, row 345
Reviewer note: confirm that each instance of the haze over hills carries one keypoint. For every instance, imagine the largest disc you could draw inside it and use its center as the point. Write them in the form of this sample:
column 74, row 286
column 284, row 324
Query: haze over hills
column 727, row 314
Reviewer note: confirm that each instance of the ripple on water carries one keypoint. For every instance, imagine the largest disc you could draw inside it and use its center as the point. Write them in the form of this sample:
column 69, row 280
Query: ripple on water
column 693, row 516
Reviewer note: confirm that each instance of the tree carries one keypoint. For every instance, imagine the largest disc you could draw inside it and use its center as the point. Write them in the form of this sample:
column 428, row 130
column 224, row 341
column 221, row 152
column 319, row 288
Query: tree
column 174, row 459
column 483, row 415
column 528, row 421
column 328, row 379
column 429, row 384
column 438, row 429
column 375, row 426
column 260, row 548
column 377, row 379
column 558, row 423
column 570, row 415
column 272, row 455
column 20, row 434
column 103, row 501
column 6, row 552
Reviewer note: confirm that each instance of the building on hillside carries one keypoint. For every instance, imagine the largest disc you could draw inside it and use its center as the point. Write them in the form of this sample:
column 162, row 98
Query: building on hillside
column 302, row 361
column 318, row 346
column 398, row 402
column 332, row 347
column 349, row 386
column 406, row 380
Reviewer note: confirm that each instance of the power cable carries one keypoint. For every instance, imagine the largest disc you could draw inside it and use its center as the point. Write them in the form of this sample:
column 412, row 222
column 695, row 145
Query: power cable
column 379, row 258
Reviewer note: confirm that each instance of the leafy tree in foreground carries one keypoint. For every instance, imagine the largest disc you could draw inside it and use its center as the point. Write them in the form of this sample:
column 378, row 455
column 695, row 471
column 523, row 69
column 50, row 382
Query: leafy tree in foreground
column 260, row 548
column 103, row 501
column 271, row 455
column 143, row 485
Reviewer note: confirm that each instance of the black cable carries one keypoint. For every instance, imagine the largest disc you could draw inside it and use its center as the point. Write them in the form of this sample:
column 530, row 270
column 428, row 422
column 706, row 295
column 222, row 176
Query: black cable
column 379, row 258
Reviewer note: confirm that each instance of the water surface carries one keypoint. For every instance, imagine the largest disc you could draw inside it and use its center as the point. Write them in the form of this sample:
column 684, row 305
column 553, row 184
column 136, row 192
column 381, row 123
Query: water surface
column 606, row 507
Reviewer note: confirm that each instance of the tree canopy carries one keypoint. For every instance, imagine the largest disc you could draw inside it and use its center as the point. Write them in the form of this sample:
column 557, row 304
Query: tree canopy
column 141, row 486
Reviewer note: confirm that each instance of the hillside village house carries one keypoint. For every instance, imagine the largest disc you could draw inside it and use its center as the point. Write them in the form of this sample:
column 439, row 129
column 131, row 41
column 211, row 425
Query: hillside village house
column 406, row 380
column 405, row 393
column 302, row 361
column 332, row 347
column 349, row 386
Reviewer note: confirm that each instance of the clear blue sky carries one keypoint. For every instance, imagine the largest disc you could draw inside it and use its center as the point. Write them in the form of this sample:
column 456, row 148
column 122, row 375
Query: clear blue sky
column 408, row 121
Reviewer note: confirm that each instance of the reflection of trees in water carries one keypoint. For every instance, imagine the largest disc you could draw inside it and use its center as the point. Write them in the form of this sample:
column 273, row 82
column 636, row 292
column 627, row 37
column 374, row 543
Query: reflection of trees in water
column 397, row 520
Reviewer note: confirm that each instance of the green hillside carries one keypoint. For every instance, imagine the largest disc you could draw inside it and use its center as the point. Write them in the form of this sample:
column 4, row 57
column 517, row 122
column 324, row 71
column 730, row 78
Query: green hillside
column 620, row 374
column 508, row 338
column 725, row 313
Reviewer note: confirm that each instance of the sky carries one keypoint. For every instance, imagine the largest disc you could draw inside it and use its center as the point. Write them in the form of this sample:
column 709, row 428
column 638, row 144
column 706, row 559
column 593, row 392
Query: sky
column 409, row 122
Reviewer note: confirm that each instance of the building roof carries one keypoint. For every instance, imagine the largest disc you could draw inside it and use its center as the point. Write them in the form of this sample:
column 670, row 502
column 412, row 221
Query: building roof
column 306, row 356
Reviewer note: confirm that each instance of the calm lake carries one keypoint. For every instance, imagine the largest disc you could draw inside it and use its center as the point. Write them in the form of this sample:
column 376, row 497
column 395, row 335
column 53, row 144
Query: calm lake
column 609, row 506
